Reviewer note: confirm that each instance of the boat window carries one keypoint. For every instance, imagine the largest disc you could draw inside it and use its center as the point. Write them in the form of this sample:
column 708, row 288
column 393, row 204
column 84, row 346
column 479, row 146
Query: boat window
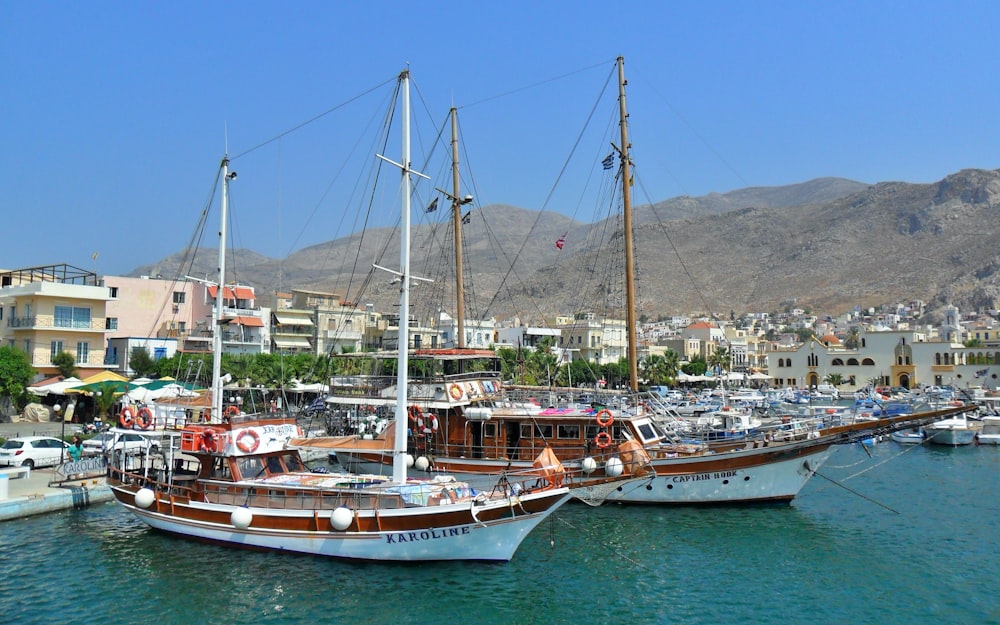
column 571, row 432
column 274, row 466
column 490, row 430
column 220, row 469
column 647, row 432
column 592, row 431
column 293, row 462
column 250, row 468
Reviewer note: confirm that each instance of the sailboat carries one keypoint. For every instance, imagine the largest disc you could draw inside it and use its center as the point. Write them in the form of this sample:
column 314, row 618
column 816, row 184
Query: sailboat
column 235, row 481
column 467, row 421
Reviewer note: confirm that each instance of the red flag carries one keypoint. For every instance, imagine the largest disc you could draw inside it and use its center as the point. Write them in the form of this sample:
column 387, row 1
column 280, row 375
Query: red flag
column 561, row 242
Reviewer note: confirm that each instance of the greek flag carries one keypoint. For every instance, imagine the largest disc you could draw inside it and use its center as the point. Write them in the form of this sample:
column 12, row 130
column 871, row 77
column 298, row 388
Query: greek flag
column 433, row 206
column 467, row 218
column 982, row 373
column 609, row 161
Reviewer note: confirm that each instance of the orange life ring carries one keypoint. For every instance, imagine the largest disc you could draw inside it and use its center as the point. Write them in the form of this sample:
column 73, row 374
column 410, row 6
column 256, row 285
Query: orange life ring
column 416, row 416
column 144, row 418
column 605, row 418
column 455, row 391
column 232, row 411
column 208, row 442
column 602, row 440
column 126, row 418
column 243, row 445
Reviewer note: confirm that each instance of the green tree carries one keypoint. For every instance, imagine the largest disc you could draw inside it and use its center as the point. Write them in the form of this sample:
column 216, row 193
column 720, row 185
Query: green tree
column 104, row 398
column 973, row 343
column 65, row 363
column 660, row 370
column 696, row 366
column 720, row 360
column 141, row 362
column 835, row 379
column 853, row 339
column 15, row 375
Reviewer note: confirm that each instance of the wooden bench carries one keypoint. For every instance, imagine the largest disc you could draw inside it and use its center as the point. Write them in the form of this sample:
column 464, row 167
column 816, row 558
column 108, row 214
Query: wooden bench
column 16, row 472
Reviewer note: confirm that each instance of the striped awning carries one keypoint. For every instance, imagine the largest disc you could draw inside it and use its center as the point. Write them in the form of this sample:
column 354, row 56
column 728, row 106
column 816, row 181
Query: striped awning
column 286, row 319
column 292, row 342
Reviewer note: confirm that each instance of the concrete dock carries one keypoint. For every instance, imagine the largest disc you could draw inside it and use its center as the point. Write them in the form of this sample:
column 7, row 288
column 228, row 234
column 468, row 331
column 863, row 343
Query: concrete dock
column 32, row 494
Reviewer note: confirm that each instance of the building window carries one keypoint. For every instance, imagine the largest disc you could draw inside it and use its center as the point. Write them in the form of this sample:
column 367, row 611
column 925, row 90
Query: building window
column 179, row 297
column 159, row 353
column 82, row 353
column 72, row 317
column 55, row 348
column 111, row 323
column 113, row 292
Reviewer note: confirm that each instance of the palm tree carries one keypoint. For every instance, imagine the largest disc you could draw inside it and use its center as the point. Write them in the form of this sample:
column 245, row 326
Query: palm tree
column 720, row 359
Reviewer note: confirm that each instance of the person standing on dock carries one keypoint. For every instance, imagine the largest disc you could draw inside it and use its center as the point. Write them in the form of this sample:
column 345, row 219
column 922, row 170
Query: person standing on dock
column 76, row 448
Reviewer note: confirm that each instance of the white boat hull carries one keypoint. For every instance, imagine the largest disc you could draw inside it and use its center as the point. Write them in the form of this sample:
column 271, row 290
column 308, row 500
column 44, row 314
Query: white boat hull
column 907, row 437
column 953, row 436
column 773, row 481
column 496, row 540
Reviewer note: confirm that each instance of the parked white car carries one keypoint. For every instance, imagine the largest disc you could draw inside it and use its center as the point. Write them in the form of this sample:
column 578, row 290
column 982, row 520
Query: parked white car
column 131, row 442
column 33, row 451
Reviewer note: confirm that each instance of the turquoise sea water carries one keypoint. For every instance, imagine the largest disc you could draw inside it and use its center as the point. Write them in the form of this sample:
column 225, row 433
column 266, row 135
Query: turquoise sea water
column 913, row 543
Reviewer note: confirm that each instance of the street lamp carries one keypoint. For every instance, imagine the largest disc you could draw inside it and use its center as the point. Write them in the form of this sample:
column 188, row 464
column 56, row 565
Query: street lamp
column 62, row 448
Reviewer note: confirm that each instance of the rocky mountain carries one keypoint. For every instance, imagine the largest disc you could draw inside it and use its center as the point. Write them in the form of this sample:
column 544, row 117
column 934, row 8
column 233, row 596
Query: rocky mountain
column 827, row 244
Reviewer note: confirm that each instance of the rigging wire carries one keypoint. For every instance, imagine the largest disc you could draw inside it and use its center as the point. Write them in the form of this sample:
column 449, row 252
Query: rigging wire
column 314, row 118
column 533, row 85
column 562, row 171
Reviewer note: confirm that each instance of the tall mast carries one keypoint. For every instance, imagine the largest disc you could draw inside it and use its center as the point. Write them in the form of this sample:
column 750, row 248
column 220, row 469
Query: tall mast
column 630, row 320
column 220, row 297
column 456, row 207
column 399, row 451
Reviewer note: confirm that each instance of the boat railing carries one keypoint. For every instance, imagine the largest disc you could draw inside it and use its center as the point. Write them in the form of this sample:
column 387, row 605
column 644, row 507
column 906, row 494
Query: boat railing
column 173, row 485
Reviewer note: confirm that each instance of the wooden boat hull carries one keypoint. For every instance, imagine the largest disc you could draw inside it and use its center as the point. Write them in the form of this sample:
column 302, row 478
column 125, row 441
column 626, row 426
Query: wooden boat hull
column 759, row 475
column 762, row 475
column 470, row 530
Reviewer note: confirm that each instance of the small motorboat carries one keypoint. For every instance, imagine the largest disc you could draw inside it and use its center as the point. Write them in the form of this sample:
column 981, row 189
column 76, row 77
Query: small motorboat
column 908, row 437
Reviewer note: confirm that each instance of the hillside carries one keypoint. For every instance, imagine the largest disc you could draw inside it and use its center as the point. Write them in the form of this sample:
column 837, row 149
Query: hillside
column 828, row 244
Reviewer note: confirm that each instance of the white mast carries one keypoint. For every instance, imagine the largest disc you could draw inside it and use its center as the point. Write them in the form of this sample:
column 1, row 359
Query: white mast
column 220, row 297
column 399, row 457
column 399, row 444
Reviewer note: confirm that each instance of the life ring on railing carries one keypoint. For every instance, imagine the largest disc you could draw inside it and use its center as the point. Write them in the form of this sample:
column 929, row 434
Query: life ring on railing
column 126, row 418
column 455, row 391
column 430, row 424
column 416, row 416
column 247, row 447
column 144, row 418
column 232, row 411
column 605, row 418
column 208, row 442
column 602, row 440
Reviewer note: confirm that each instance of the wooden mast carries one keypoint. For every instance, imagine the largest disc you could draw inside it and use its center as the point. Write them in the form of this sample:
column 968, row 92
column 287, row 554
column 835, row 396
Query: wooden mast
column 630, row 317
column 456, row 207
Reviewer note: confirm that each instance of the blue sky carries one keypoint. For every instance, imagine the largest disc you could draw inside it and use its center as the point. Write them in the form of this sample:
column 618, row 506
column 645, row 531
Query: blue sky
column 115, row 115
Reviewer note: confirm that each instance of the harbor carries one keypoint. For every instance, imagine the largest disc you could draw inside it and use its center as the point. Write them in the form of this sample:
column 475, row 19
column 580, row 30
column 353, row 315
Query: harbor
column 904, row 523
